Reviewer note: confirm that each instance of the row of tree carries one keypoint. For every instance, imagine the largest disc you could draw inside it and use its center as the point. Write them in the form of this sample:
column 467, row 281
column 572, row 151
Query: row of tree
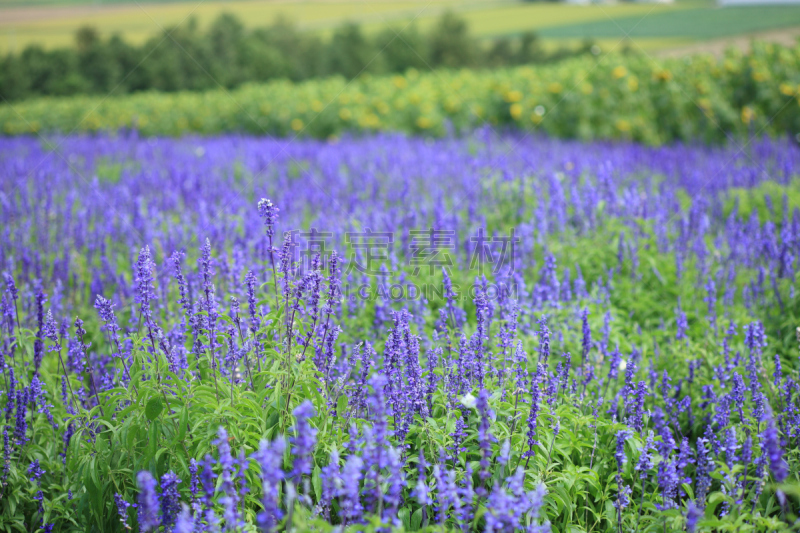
column 227, row 54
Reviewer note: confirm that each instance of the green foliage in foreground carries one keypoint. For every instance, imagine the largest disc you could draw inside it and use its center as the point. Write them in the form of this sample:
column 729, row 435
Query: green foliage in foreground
column 660, row 314
column 164, row 421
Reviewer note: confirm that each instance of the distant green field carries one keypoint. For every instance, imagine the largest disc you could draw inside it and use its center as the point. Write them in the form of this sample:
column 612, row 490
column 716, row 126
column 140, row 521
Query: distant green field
column 55, row 25
column 700, row 24
column 52, row 23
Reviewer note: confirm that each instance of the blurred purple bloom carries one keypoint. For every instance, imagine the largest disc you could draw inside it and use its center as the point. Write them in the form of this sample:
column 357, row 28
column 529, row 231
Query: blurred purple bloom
column 148, row 505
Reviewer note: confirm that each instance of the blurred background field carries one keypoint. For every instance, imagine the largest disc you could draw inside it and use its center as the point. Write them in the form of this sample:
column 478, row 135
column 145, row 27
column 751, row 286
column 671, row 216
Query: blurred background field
column 437, row 67
column 53, row 23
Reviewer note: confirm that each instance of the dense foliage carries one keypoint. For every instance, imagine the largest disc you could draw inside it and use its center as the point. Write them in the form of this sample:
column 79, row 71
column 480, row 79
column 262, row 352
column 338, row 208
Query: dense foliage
column 515, row 334
column 226, row 54
column 610, row 97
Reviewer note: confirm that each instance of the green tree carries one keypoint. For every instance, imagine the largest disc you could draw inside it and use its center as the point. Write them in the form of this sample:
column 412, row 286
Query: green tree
column 181, row 59
column 302, row 54
column 402, row 49
column 350, row 53
column 96, row 62
column 129, row 60
column 14, row 80
column 530, row 50
column 225, row 36
column 260, row 59
column 450, row 43
column 54, row 73
column 501, row 53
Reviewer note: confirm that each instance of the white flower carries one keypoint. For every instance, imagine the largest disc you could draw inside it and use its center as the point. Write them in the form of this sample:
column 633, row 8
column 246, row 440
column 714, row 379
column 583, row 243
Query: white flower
column 468, row 401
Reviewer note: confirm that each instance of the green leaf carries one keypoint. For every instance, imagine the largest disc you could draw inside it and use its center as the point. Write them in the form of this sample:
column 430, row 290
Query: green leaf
column 416, row 520
column 184, row 421
column 316, row 481
column 405, row 518
column 153, row 408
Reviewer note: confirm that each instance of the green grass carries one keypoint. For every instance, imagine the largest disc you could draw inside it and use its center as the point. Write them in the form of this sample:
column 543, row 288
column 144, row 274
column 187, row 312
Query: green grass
column 700, row 24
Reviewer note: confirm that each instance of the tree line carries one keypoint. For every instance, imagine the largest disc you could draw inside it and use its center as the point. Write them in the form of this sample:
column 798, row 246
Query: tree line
column 227, row 54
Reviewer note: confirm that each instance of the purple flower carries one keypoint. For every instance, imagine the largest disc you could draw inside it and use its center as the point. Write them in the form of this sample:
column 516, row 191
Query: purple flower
column 333, row 293
column 615, row 360
column 532, row 416
column 396, row 482
column 106, row 311
column 681, row 324
column 286, row 265
column 637, row 419
column 148, row 506
column 6, row 455
column 511, row 508
column 194, row 482
column 21, row 428
column 230, row 497
column 243, row 463
column 619, row 454
column 185, row 522
column 38, row 344
column 170, row 499
column 270, row 215
column 305, row 437
column 505, row 452
column 183, row 299
column 645, row 462
column 11, row 287
column 755, row 339
column 350, row 495
column 624, row 492
column 35, row 471
column 586, row 341
column 270, row 458
column 693, row 514
column 544, row 340
column 255, row 316
column 11, row 394
column 38, row 397
column 623, row 496
column 730, row 445
column 774, row 451
column 747, row 450
column 484, row 437
column 208, row 481
column 122, row 509
column 144, row 284
column 421, row 492
column 50, row 331
column 703, row 470
column 331, row 477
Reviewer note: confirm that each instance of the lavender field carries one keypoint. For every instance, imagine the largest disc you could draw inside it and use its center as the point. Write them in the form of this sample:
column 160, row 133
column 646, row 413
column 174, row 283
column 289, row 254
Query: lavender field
column 492, row 333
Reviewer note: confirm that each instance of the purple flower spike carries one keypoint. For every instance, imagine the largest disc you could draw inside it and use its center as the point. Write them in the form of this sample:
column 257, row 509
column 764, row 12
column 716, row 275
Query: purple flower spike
column 774, row 451
column 269, row 213
column 305, row 436
column 185, row 522
column 170, row 499
column 122, row 509
column 148, row 501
